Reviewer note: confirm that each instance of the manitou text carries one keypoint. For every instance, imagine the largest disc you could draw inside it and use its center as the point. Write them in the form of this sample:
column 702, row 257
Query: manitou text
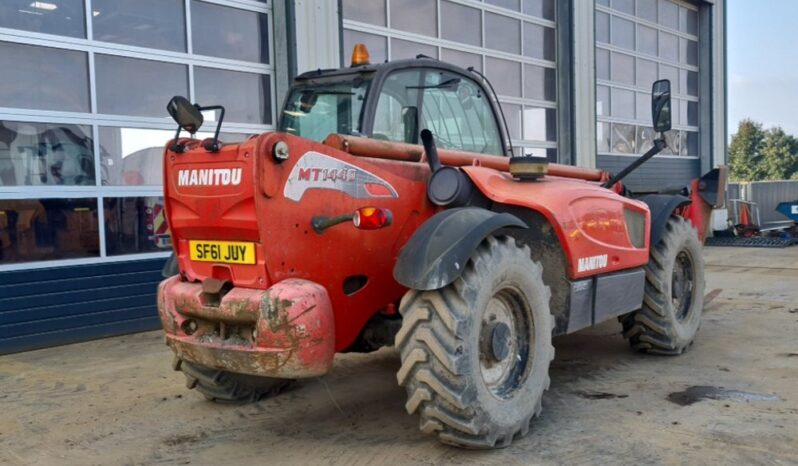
column 209, row 177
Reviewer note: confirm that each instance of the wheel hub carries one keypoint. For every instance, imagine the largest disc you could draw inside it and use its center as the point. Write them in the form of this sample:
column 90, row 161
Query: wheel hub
column 499, row 341
column 505, row 342
column 682, row 285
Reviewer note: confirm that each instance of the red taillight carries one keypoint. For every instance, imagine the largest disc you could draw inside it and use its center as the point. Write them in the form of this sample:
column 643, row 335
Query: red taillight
column 371, row 218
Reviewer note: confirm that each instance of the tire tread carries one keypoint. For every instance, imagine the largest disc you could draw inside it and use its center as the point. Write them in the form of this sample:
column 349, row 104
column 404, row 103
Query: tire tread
column 648, row 328
column 227, row 387
column 430, row 345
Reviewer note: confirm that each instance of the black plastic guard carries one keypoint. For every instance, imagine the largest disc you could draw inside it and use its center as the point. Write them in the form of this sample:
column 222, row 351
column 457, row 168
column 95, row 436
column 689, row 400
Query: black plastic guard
column 661, row 207
column 170, row 267
column 712, row 187
column 437, row 252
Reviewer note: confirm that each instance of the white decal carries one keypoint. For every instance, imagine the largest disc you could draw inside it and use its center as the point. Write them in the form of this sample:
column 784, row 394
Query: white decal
column 319, row 171
column 794, row 209
column 587, row 264
column 209, row 177
column 580, row 286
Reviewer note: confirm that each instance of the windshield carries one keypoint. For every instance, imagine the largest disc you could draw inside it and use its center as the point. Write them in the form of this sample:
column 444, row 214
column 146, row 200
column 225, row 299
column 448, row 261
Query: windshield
column 314, row 112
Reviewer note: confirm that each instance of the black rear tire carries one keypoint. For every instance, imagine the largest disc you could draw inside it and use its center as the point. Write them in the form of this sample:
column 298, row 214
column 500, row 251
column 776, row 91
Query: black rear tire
column 674, row 294
column 229, row 387
column 476, row 353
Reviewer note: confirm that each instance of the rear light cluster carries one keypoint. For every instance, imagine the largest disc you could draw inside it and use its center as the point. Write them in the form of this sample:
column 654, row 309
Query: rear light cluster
column 371, row 218
column 364, row 218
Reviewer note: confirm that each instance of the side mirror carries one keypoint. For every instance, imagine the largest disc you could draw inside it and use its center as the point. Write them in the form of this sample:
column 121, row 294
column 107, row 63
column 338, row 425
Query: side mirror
column 661, row 105
column 307, row 101
column 410, row 123
column 186, row 114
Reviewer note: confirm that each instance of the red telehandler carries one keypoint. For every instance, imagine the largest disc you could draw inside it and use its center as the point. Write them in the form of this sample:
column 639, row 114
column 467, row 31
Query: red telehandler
column 339, row 232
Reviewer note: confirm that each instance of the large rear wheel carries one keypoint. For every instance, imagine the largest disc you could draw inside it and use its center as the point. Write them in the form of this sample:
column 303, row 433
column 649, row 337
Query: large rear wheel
column 674, row 294
column 476, row 353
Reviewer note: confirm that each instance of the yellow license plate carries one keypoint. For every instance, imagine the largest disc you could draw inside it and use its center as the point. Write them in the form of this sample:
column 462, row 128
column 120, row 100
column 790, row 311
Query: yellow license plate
column 227, row 252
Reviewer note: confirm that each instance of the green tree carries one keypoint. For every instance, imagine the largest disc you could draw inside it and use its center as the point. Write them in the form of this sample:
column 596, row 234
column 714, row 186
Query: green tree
column 780, row 154
column 746, row 162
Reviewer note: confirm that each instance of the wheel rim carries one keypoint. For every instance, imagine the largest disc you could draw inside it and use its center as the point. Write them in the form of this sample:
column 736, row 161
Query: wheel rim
column 506, row 342
column 682, row 285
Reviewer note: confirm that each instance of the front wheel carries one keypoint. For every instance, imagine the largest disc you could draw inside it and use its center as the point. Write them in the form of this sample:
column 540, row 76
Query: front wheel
column 476, row 353
column 674, row 293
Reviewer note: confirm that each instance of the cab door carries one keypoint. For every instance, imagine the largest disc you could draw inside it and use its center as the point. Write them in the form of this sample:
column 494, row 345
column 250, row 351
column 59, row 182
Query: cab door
column 453, row 106
column 459, row 114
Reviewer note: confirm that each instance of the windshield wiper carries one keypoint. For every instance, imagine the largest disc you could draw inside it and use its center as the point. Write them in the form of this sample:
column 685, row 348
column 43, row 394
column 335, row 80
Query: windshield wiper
column 333, row 92
column 449, row 83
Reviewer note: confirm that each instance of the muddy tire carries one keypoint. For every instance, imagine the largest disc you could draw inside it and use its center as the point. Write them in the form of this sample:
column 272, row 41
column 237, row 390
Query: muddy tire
column 229, row 387
column 674, row 294
column 476, row 354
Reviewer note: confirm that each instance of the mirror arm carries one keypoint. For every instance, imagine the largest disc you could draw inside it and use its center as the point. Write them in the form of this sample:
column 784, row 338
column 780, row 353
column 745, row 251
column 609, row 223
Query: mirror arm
column 659, row 145
column 214, row 146
column 177, row 147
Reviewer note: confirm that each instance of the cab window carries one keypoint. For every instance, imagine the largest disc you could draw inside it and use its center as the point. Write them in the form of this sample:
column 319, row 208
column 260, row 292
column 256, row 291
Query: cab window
column 315, row 111
column 396, row 117
column 459, row 114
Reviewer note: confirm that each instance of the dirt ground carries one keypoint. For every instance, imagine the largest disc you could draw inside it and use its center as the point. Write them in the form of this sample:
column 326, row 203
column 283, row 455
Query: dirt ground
column 117, row 401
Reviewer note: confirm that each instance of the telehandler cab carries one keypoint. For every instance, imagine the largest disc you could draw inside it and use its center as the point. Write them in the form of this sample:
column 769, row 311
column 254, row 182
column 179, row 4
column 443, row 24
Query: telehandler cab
column 338, row 232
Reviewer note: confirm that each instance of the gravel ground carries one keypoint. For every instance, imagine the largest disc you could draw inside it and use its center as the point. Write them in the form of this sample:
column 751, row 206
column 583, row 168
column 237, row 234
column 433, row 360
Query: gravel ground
column 116, row 401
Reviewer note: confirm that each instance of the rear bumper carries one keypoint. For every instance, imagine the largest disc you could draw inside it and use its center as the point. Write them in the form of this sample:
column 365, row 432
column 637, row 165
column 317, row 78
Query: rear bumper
column 286, row 331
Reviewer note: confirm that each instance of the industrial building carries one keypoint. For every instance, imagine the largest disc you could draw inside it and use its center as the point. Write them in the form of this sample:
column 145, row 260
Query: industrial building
column 86, row 82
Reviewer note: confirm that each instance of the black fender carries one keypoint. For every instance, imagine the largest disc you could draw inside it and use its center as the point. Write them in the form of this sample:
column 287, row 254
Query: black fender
column 170, row 267
column 438, row 251
column 661, row 207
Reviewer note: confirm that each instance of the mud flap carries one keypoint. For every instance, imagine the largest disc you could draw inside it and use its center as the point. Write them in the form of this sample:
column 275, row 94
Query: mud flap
column 707, row 193
column 437, row 252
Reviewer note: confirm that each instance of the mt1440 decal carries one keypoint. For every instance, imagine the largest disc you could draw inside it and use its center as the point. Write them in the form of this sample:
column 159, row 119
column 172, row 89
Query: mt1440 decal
column 318, row 171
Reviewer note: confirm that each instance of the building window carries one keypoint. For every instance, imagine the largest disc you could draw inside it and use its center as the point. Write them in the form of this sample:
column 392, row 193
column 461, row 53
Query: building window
column 416, row 16
column 46, row 229
column 226, row 32
column 638, row 42
column 41, row 154
column 132, row 156
column 372, row 12
column 125, row 85
column 83, row 123
column 513, row 41
column 158, row 24
column 251, row 104
column 44, row 78
column 61, row 17
column 135, row 225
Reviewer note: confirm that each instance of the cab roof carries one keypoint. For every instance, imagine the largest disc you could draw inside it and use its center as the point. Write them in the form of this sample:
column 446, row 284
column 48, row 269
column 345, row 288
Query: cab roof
column 385, row 67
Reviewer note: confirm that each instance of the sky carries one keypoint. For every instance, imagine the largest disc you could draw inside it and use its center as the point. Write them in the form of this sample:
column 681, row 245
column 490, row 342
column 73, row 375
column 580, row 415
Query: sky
column 762, row 47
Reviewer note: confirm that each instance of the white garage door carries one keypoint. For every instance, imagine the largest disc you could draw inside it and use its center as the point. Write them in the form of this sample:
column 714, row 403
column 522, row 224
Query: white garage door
column 638, row 42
